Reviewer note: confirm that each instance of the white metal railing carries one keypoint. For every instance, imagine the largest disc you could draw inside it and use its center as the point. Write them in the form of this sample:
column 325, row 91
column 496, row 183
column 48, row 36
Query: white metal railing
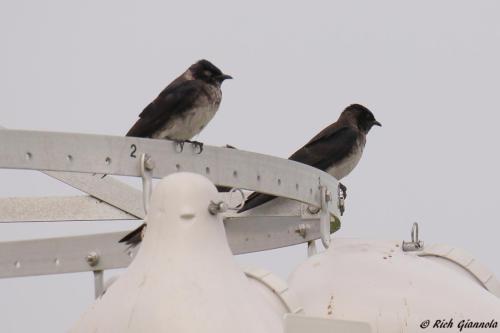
column 80, row 160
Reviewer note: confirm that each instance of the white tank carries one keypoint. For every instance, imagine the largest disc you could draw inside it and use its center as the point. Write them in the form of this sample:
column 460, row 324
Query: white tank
column 394, row 291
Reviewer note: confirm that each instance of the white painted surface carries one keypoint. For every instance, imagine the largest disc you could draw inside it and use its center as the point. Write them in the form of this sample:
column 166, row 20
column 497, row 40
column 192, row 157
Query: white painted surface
column 302, row 324
column 394, row 291
column 184, row 278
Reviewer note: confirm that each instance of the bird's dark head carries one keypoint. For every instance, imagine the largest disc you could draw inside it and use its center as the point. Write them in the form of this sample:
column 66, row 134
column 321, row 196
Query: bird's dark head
column 206, row 71
column 363, row 118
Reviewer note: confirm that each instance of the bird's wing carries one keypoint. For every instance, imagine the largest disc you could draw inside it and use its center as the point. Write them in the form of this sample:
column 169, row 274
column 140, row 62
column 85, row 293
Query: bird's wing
column 324, row 150
column 134, row 237
column 172, row 101
column 327, row 148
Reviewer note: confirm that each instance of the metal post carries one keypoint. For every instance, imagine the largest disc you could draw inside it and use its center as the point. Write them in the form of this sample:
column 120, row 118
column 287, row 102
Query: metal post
column 98, row 283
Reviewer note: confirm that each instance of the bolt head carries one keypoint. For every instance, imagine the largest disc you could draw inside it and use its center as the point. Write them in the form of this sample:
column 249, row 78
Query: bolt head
column 92, row 258
column 149, row 163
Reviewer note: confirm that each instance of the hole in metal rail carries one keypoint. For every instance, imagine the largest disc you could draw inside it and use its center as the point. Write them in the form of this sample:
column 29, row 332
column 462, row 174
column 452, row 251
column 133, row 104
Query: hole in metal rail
column 279, row 181
column 69, row 158
column 297, row 186
column 108, row 160
column 178, row 167
column 235, row 173
column 258, row 177
column 17, row 264
column 207, row 170
column 310, row 191
column 28, row 156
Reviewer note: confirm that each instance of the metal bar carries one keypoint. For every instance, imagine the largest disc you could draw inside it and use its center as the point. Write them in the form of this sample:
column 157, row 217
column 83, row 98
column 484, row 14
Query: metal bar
column 62, row 255
column 119, row 155
column 108, row 189
column 57, row 209
column 98, row 283
column 77, row 253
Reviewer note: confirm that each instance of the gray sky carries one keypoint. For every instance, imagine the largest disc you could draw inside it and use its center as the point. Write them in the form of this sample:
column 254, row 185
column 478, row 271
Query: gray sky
column 427, row 69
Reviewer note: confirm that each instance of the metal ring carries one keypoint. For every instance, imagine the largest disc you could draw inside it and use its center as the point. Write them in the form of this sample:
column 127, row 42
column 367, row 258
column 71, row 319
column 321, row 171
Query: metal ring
column 243, row 199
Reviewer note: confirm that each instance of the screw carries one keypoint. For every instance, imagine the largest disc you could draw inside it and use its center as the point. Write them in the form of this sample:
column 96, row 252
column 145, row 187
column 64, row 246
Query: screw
column 92, row 258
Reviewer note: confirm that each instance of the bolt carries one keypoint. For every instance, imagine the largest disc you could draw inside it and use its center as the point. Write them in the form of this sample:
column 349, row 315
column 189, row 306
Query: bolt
column 313, row 210
column 149, row 164
column 217, row 207
column 302, row 229
column 92, row 258
column 328, row 196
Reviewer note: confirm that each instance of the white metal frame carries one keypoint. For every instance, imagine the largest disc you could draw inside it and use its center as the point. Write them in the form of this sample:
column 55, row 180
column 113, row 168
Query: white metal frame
column 80, row 160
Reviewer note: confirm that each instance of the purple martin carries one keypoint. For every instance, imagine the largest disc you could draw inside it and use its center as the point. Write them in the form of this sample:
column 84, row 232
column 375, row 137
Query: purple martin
column 336, row 150
column 180, row 112
column 184, row 107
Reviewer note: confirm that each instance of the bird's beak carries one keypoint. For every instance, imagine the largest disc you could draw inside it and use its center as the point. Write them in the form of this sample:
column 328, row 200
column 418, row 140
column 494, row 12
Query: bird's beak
column 377, row 123
column 223, row 77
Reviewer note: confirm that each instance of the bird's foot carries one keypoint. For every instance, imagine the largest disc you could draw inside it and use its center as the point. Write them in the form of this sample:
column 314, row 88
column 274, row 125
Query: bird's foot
column 179, row 146
column 343, row 189
column 197, row 145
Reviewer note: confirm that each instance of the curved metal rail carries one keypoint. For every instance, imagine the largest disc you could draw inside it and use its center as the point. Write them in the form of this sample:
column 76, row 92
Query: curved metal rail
column 114, row 155
column 79, row 160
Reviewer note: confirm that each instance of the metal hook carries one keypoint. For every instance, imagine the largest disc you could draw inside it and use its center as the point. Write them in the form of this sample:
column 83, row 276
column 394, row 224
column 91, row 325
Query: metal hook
column 416, row 244
column 147, row 165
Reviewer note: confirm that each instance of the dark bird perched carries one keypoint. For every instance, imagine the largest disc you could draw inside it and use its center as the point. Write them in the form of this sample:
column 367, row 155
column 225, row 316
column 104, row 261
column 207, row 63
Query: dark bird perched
column 184, row 107
column 180, row 112
column 337, row 149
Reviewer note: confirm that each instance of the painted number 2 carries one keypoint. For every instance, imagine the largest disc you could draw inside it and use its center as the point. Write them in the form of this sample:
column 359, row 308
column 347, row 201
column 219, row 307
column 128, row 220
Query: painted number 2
column 133, row 149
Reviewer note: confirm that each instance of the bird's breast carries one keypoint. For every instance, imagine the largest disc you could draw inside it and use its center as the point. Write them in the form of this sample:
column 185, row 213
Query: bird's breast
column 347, row 164
column 188, row 124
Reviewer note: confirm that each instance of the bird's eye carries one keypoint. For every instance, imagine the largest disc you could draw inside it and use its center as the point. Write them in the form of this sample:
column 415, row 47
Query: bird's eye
column 207, row 73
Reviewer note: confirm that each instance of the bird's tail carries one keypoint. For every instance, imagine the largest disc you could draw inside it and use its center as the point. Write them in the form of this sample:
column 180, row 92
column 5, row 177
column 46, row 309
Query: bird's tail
column 133, row 238
column 256, row 199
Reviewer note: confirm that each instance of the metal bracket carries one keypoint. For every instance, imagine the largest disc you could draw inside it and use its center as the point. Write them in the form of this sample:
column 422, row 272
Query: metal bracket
column 147, row 165
column 326, row 197
column 92, row 259
column 415, row 244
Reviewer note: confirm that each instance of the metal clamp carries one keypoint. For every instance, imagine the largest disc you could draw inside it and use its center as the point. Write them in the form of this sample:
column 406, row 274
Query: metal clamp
column 415, row 244
column 147, row 165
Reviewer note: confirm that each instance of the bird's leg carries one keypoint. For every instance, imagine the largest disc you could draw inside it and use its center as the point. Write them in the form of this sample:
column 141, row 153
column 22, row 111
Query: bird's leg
column 342, row 196
column 179, row 145
column 343, row 189
column 196, row 144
